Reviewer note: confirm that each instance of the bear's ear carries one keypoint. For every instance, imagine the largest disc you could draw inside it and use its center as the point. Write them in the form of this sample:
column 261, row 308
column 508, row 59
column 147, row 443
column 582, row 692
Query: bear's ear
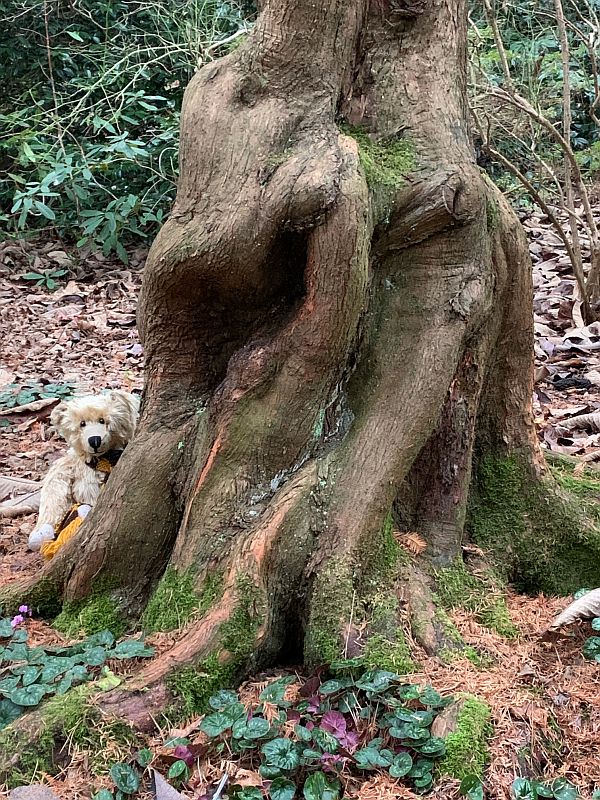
column 58, row 419
column 125, row 413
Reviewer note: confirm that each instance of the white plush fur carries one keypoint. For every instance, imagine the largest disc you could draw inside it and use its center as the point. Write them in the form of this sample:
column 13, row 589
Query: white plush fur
column 91, row 426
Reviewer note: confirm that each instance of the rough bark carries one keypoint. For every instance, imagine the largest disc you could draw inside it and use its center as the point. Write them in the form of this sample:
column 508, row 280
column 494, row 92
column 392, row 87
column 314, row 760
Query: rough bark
column 327, row 344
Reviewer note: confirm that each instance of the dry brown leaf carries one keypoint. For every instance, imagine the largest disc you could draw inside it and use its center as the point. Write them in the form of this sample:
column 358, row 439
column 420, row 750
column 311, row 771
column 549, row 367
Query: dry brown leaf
column 411, row 541
column 585, row 607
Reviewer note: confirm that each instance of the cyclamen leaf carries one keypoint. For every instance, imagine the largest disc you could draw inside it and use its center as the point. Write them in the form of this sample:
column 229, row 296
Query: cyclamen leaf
column 596, row 624
column 325, row 740
column 273, row 693
column 591, row 648
column 471, row 787
column 333, row 722
column 246, row 793
column 281, row 753
column 372, row 757
column 401, row 765
column 376, row 681
column 6, row 629
column 222, row 699
column 103, row 794
column 125, row 777
column 9, row 712
column 563, row 790
column 28, row 695
column 177, row 769
column 282, row 789
column 317, row 787
column 30, row 675
column 131, row 648
column 215, row 724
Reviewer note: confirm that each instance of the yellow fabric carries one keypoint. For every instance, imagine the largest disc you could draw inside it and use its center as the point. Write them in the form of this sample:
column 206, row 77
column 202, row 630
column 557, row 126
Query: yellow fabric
column 71, row 522
column 50, row 549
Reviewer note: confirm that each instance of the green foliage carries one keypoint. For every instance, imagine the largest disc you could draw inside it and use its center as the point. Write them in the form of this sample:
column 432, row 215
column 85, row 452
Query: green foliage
column 175, row 601
column 47, row 278
column 466, row 746
column 530, row 36
column 527, row 789
column 16, row 394
column 90, row 111
column 34, row 674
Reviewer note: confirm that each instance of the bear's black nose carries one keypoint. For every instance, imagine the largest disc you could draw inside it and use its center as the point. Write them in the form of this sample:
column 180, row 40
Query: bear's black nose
column 95, row 442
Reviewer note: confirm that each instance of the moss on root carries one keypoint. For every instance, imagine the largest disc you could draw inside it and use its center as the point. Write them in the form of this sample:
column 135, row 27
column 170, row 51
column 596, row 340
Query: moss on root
column 385, row 162
column 467, row 745
column 542, row 538
column 481, row 594
column 175, row 600
column 330, row 609
column 62, row 722
column 390, row 654
column 43, row 598
column 98, row 612
column 192, row 686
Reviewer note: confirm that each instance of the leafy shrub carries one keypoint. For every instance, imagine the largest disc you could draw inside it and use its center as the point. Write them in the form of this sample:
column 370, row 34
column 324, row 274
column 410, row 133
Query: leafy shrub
column 32, row 674
column 90, row 110
column 301, row 745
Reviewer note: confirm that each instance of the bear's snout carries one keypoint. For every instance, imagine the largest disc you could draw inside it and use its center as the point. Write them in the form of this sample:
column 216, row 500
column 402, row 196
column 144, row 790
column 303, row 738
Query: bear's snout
column 95, row 442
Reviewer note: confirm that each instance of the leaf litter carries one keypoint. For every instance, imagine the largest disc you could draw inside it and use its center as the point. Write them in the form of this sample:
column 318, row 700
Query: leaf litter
column 544, row 696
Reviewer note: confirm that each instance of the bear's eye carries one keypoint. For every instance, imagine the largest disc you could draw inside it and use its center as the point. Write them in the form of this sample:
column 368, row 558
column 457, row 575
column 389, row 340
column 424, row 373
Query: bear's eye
column 82, row 424
column 101, row 421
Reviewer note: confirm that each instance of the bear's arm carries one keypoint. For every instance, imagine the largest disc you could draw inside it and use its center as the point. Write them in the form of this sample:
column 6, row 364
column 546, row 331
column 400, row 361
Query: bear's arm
column 56, row 496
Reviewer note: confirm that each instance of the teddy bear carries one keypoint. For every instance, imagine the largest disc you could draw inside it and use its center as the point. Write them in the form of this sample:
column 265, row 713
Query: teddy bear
column 97, row 428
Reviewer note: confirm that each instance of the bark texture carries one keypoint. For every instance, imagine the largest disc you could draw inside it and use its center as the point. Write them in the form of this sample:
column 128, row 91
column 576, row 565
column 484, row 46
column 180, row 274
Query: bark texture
column 336, row 317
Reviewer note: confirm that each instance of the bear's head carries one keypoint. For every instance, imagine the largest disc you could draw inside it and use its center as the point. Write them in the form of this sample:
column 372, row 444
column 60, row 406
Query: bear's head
column 98, row 423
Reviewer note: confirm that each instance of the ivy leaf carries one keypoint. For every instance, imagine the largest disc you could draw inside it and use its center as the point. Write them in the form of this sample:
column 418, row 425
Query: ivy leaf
column 125, row 777
column 317, row 787
column 222, row 699
column 9, row 712
column 282, row 789
column 94, row 656
column 401, row 765
column 30, row 675
column 104, row 638
column 131, row 648
column 28, row 695
column 215, row 724
column 281, row 753
column 471, row 787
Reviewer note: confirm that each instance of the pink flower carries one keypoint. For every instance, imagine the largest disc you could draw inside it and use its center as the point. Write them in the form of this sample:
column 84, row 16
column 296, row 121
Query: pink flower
column 17, row 620
column 25, row 610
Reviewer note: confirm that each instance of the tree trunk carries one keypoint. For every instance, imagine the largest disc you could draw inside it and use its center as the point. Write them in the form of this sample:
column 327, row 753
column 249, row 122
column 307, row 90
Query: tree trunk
column 337, row 321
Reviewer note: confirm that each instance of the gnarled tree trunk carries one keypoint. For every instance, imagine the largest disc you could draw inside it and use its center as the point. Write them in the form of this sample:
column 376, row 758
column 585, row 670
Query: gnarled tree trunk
column 336, row 316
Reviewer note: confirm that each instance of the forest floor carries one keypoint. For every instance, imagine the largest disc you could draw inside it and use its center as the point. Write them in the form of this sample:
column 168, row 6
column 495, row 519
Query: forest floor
column 544, row 696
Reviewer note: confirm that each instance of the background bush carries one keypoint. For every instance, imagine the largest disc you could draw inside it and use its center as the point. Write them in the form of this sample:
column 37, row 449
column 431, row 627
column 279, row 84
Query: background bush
column 89, row 111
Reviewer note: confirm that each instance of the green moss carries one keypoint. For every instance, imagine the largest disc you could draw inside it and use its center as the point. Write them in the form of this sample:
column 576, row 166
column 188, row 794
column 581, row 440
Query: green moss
column 459, row 588
column 393, row 655
column 64, row 721
column 385, row 162
column 96, row 613
column 330, row 608
column 193, row 686
column 175, row 601
column 542, row 539
column 492, row 213
column 466, row 746
column 43, row 598
column 479, row 660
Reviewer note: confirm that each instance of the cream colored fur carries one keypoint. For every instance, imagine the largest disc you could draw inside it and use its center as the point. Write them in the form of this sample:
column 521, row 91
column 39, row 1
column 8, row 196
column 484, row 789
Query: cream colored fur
column 91, row 426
